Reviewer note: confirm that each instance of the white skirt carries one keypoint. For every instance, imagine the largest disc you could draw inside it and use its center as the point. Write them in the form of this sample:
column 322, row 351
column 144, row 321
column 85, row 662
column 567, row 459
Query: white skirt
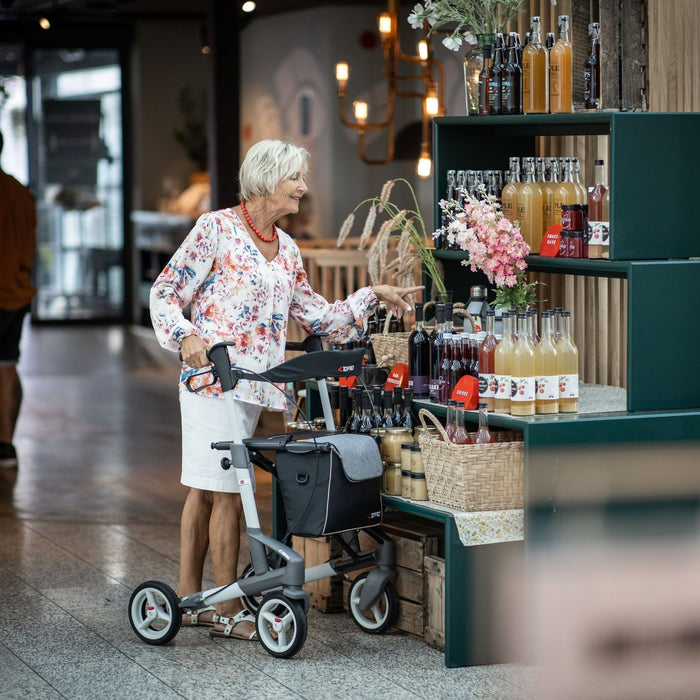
column 205, row 420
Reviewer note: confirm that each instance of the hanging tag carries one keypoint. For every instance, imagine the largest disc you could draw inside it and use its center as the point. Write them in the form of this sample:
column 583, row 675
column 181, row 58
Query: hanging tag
column 549, row 248
column 398, row 376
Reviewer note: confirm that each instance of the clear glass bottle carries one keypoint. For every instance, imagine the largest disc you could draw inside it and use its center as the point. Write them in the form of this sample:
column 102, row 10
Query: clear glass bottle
column 598, row 225
column 567, row 364
column 487, row 376
column 451, row 419
column 502, row 366
column 484, row 79
column 437, row 352
column 509, row 195
column 548, row 185
column 461, row 435
column 591, row 69
column 560, row 71
column 546, row 370
column 576, row 172
column 523, row 371
column 530, row 207
column 366, row 423
column 535, row 72
column 483, row 434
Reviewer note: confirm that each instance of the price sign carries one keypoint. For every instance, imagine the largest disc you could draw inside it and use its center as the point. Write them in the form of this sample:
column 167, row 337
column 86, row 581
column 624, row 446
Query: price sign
column 398, row 376
column 549, row 248
column 466, row 391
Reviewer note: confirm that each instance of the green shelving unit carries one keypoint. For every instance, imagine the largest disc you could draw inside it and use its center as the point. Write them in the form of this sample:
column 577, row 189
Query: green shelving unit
column 650, row 157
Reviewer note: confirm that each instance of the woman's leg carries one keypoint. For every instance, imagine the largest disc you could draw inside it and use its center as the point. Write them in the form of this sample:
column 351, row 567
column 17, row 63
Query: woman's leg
column 194, row 540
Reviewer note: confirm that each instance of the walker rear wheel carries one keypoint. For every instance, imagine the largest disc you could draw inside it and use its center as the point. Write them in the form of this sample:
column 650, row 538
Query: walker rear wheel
column 281, row 625
column 380, row 616
column 154, row 612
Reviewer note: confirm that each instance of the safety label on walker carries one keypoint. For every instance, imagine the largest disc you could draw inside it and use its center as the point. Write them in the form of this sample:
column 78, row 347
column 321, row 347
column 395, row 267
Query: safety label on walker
column 243, row 481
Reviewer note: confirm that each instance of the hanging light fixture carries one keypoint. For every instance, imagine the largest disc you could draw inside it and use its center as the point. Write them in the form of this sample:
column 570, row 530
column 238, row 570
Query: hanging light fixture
column 430, row 92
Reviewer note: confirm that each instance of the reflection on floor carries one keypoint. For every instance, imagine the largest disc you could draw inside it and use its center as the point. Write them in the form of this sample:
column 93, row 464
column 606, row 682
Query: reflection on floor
column 93, row 511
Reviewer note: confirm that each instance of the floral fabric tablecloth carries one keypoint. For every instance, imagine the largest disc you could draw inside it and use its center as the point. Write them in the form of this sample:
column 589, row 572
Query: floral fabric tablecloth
column 482, row 527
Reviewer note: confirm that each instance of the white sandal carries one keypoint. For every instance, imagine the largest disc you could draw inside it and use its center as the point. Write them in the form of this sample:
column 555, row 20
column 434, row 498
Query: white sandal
column 194, row 620
column 231, row 623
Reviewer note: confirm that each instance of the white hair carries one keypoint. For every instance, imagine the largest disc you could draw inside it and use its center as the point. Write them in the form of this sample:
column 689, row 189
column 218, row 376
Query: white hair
column 266, row 164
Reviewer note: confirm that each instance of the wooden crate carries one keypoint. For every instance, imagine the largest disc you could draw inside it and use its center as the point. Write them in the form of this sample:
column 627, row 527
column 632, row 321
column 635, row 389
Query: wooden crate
column 434, row 578
column 326, row 595
column 413, row 543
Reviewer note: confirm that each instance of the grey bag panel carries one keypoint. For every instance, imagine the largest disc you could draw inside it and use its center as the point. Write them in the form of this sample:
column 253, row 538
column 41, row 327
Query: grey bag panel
column 359, row 455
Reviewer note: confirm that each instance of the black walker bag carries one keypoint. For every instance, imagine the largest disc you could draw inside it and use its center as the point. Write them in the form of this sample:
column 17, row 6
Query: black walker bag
column 330, row 484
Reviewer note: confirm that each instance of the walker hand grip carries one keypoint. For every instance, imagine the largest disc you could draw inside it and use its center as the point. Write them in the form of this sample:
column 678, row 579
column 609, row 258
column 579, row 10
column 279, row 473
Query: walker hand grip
column 218, row 354
column 312, row 343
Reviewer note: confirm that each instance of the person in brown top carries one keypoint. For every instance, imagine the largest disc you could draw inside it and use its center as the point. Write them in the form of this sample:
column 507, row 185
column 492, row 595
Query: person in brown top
column 17, row 249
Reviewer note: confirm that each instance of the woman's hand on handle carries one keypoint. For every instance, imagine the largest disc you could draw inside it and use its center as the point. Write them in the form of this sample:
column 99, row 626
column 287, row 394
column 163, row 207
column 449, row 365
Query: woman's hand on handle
column 193, row 351
column 396, row 298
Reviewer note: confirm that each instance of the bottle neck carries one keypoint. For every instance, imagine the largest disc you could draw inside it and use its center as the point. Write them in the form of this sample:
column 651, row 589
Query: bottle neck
column 483, row 418
column 564, row 29
column 536, row 34
column 600, row 174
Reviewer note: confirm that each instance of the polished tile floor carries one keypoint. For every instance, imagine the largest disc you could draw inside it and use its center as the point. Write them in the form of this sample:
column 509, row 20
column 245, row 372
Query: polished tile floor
column 93, row 511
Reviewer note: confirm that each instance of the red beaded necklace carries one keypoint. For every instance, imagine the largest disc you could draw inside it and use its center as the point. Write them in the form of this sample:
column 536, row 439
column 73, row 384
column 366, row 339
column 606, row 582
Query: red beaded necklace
column 256, row 231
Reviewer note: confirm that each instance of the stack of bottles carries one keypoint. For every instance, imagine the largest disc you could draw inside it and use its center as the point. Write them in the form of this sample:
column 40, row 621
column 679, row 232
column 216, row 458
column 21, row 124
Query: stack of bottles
column 537, row 78
column 541, row 192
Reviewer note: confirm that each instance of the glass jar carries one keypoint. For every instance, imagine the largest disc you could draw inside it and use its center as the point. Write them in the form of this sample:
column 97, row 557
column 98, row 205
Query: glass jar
column 392, row 440
column 417, row 466
column 407, row 457
column 392, row 480
column 420, row 430
column 406, row 484
column 419, row 487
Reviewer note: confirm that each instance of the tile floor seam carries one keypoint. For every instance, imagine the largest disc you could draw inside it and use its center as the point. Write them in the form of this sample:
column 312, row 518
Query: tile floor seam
column 30, row 669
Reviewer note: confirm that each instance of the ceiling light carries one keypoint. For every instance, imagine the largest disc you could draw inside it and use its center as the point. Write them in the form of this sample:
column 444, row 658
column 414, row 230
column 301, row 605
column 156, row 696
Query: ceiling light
column 248, row 6
column 44, row 23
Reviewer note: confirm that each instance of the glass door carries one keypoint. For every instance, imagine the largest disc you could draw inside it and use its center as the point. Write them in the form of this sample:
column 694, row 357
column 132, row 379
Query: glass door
column 77, row 163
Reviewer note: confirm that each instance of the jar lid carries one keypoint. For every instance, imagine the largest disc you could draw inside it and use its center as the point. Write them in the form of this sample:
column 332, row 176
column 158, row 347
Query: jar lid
column 405, row 472
column 398, row 431
column 406, row 445
column 417, row 475
column 572, row 207
column 415, row 447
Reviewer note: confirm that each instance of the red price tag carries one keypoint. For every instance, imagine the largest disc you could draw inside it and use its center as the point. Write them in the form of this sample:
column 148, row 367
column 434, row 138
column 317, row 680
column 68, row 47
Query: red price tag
column 398, row 376
column 549, row 248
column 466, row 391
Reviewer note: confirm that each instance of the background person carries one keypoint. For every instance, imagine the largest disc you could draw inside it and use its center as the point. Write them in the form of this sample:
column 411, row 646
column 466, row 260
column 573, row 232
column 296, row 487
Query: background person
column 243, row 277
column 17, row 250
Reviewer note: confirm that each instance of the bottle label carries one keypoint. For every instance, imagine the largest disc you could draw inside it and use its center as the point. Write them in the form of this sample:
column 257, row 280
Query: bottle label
column 503, row 386
column 547, row 388
column 487, row 386
column 505, row 92
column 568, row 386
column 420, row 385
column 524, row 389
column 599, row 233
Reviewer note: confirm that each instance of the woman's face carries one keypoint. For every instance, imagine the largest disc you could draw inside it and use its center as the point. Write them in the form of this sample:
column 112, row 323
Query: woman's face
column 288, row 194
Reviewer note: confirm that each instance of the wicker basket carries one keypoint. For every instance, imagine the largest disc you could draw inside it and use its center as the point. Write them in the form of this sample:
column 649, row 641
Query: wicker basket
column 473, row 477
column 390, row 345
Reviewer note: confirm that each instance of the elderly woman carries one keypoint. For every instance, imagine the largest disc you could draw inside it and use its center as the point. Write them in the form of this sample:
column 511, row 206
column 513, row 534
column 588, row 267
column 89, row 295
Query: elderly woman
column 243, row 277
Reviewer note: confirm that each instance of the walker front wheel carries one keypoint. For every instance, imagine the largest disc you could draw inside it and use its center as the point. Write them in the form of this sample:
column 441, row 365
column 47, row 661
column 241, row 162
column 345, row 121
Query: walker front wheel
column 281, row 625
column 380, row 616
column 154, row 612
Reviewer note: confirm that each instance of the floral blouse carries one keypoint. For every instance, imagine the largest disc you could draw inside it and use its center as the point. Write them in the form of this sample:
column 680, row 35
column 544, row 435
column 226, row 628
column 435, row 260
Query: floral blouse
column 236, row 295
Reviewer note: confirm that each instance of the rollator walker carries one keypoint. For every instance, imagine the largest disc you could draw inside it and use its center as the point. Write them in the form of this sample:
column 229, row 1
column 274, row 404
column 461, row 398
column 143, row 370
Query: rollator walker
column 330, row 484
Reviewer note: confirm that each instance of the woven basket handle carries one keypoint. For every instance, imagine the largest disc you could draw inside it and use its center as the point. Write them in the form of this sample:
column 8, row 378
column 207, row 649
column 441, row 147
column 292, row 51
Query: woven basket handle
column 463, row 313
column 389, row 316
column 424, row 413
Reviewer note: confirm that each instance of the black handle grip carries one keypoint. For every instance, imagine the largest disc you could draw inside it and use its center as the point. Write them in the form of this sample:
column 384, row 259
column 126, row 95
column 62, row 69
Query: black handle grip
column 218, row 354
column 312, row 343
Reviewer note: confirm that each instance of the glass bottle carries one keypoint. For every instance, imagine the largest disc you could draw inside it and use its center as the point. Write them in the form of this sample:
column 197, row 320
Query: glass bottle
column 456, row 372
column 549, row 41
column 483, row 434
column 419, row 357
column 344, row 414
column 366, row 423
column 567, row 364
column 566, row 191
column 532, row 327
column 523, row 371
column 560, row 71
column 591, row 69
column 437, row 352
column 484, row 78
column 547, row 184
column 496, row 77
column 450, row 196
column 377, row 407
column 356, row 417
column 387, row 413
column 407, row 409
column 444, row 389
column 512, row 82
column 502, row 366
column 487, row 377
column 397, row 405
column 451, row 419
column 535, row 72
column 509, row 195
column 597, row 223
column 530, row 207
column 546, row 371
column 461, row 436
column 576, row 173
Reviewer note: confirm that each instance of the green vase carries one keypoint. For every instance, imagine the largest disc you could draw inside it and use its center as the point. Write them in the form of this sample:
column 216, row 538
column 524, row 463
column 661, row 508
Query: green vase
column 473, row 64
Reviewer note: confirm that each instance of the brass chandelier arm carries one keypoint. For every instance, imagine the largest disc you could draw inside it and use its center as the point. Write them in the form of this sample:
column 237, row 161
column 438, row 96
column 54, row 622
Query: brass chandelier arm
column 390, row 148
